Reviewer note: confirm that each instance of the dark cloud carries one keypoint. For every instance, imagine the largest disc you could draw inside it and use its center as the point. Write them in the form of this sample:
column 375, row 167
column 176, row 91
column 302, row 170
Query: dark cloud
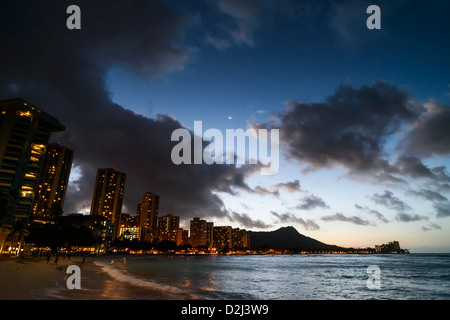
column 405, row 217
column 442, row 210
column 63, row 72
column 291, row 186
column 350, row 128
column 291, row 218
column 431, row 226
column 428, row 194
column 390, row 201
column 247, row 221
column 429, row 136
column 413, row 167
column 443, row 187
column 311, row 202
column 264, row 191
column 341, row 217
column 234, row 181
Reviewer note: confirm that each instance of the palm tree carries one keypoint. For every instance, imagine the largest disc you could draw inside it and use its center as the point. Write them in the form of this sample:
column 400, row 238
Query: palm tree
column 6, row 207
column 19, row 231
column 98, row 233
column 7, row 201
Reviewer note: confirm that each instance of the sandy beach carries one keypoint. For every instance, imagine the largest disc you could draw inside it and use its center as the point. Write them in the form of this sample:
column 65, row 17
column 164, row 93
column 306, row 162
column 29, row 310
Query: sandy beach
column 20, row 278
column 35, row 278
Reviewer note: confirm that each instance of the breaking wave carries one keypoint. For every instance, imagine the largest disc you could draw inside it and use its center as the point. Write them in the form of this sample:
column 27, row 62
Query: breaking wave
column 125, row 277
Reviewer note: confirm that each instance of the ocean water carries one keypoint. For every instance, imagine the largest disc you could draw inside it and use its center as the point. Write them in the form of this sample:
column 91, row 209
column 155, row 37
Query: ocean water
column 262, row 277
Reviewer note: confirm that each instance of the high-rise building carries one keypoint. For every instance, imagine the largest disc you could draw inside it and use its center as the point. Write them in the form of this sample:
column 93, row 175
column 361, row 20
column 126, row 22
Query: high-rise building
column 24, row 133
column 127, row 220
column 169, row 229
column 130, row 233
column 240, row 238
column 222, row 237
column 53, row 181
column 182, row 237
column 209, row 233
column 198, row 232
column 138, row 215
column 129, row 228
column 108, row 196
column 148, row 215
column 169, row 222
column 177, row 236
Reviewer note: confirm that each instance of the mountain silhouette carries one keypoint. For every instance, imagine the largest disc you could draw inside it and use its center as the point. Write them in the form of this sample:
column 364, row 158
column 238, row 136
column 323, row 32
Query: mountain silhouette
column 286, row 238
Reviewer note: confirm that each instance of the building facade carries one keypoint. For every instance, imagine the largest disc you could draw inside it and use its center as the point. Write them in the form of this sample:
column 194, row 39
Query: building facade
column 178, row 236
column 108, row 195
column 240, row 239
column 169, row 222
column 130, row 233
column 198, row 232
column 52, row 186
column 147, row 213
column 222, row 237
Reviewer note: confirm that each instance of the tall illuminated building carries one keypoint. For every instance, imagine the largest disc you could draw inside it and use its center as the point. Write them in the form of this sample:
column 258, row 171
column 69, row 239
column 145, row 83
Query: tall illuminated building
column 198, row 232
column 24, row 133
column 169, row 229
column 240, row 238
column 108, row 196
column 53, row 181
column 169, row 222
column 148, row 216
column 222, row 237
column 209, row 233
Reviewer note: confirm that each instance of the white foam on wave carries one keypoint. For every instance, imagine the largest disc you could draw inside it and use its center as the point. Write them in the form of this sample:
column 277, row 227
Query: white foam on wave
column 124, row 276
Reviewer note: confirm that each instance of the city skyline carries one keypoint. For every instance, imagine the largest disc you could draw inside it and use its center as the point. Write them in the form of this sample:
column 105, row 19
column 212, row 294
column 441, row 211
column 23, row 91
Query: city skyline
column 363, row 114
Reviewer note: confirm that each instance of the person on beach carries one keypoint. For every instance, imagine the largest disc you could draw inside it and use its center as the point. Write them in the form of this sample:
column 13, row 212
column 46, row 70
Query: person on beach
column 48, row 258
